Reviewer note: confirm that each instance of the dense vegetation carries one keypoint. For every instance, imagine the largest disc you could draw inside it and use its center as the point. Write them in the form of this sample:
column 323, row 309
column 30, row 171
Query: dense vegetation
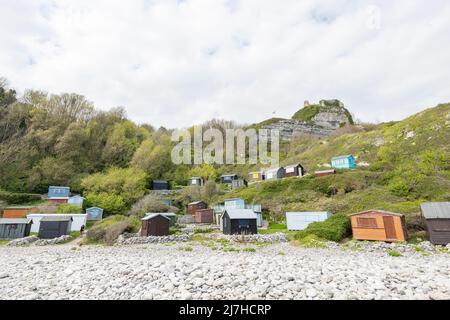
column 63, row 140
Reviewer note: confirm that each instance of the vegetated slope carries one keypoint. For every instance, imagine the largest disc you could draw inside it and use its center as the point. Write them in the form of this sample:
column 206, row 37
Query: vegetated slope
column 409, row 163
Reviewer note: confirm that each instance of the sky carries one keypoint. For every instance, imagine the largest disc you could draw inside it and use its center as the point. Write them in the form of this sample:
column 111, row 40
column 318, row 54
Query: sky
column 176, row 63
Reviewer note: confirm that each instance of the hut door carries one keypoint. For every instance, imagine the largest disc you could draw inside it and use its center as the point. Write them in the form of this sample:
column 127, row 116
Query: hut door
column 389, row 228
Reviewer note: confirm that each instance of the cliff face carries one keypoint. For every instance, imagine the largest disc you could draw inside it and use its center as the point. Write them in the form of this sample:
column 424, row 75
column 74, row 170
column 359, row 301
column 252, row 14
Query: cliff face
column 317, row 119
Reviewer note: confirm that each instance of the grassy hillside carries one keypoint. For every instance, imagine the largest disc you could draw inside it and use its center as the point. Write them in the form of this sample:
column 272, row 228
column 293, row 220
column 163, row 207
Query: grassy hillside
column 409, row 163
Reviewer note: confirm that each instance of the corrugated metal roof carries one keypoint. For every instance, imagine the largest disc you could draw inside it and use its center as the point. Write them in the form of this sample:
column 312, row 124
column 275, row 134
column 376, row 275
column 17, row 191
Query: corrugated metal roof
column 241, row 214
column 154, row 215
column 56, row 218
column 293, row 165
column 15, row 221
column 167, row 214
column 436, row 210
column 273, row 170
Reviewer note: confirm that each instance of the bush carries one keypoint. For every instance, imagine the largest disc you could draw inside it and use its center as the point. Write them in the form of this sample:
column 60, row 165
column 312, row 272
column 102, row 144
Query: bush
column 69, row 208
column 335, row 229
column 312, row 241
column 19, row 198
column 109, row 229
column 112, row 204
column 150, row 203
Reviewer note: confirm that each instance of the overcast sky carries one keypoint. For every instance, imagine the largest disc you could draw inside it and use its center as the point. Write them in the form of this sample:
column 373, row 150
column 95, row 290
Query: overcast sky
column 180, row 62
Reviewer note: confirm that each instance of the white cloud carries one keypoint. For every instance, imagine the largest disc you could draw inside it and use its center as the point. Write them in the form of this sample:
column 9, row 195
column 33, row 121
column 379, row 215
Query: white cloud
column 175, row 63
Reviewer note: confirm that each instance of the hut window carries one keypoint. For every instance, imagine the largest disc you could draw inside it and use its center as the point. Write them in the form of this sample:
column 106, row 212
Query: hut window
column 367, row 222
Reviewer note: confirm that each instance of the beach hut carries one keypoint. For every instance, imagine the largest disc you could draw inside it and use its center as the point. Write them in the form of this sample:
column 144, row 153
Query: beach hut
column 437, row 219
column 236, row 184
column 14, row 228
column 172, row 216
column 323, row 173
column 155, row 225
column 76, row 200
column 204, row 216
column 94, row 214
column 295, row 170
column 379, row 225
column 17, row 212
column 58, row 195
column 194, row 206
column 197, row 181
column 160, row 185
column 239, row 221
column 234, row 203
column 301, row 220
column 55, row 226
column 228, row 178
column 343, row 162
column 78, row 220
column 275, row 174
column 256, row 176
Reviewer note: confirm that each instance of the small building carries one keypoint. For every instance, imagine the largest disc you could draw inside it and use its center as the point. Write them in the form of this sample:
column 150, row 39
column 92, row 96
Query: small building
column 76, row 200
column 239, row 221
column 256, row 176
column 78, row 220
column 228, row 178
column 301, row 220
column 58, row 195
column 295, row 170
column 197, row 181
column 17, row 212
column 155, row 225
column 194, row 206
column 379, row 225
column 14, row 228
column 324, row 173
column 437, row 220
column 160, row 185
column 275, row 174
column 236, row 184
column 172, row 217
column 234, row 203
column 94, row 214
column 343, row 162
column 55, row 226
column 204, row 216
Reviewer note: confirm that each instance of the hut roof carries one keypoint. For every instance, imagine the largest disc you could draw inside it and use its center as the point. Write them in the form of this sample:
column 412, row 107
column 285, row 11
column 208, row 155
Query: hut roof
column 381, row 211
column 326, row 171
column 18, row 207
column 94, row 208
column 159, row 181
column 154, row 215
column 273, row 169
column 228, row 175
column 167, row 214
column 56, row 218
column 293, row 165
column 196, row 202
column 15, row 221
column 241, row 214
column 342, row 157
column 436, row 210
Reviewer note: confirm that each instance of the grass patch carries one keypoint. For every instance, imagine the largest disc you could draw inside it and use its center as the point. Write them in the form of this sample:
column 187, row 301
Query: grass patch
column 109, row 229
column 4, row 242
column 418, row 249
column 281, row 253
column 200, row 231
column 186, row 248
column 311, row 241
column 249, row 250
column 231, row 249
column 352, row 246
column 394, row 253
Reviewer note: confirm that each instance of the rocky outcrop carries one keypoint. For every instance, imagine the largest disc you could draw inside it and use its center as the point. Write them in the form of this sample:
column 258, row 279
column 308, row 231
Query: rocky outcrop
column 319, row 120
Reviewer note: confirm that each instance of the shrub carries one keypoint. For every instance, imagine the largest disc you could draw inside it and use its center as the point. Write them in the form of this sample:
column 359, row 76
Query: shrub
column 109, row 229
column 112, row 204
column 335, row 229
column 69, row 208
column 18, row 198
column 149, row 203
